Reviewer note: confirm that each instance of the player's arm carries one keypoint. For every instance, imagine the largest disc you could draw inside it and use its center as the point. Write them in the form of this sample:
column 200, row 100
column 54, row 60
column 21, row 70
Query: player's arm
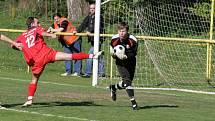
column 60, row 29
column 41, row 32
column 46, row 34
column 6, row 39
column 132, row 51
column 14, row 44
column 83, row 25
column 52, row 30
column 112, row 50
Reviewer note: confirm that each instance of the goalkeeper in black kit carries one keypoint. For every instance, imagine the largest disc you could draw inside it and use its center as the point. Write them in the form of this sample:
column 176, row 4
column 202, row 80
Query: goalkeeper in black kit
column 125, row 62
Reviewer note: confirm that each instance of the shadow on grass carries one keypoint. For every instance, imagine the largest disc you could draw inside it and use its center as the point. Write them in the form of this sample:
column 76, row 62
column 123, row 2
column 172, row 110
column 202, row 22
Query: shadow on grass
column 52, row 104
column 159, row 106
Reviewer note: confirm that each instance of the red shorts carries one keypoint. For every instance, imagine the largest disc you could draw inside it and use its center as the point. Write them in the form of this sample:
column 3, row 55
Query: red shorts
column 48, row 56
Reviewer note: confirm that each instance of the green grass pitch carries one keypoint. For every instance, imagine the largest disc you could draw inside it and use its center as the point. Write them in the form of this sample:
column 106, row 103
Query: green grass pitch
column 74, row 99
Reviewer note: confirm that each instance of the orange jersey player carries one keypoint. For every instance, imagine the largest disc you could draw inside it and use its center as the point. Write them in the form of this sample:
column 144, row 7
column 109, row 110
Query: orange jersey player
column 37, row 54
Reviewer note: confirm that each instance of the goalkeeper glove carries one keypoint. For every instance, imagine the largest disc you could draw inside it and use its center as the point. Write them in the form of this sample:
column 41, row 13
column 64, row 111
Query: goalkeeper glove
column 111, row 51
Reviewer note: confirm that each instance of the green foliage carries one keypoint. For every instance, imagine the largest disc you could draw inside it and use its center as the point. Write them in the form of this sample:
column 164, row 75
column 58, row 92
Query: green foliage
column 201, row 9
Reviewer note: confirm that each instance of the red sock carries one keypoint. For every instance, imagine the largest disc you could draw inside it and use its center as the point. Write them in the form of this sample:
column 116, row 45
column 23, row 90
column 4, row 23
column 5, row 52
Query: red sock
column 32, row 89
column 81, row 55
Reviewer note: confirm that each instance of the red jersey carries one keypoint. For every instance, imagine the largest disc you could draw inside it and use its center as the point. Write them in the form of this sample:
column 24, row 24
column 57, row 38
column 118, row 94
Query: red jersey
column 33, row 44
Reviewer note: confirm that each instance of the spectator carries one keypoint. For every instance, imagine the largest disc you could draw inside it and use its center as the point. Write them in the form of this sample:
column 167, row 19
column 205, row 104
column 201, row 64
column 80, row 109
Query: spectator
column 88, row 25
column 37, row 54
column 71, row 44
column 125, row 63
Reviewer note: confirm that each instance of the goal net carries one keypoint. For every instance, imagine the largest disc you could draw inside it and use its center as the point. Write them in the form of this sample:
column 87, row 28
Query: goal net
column 173, row 52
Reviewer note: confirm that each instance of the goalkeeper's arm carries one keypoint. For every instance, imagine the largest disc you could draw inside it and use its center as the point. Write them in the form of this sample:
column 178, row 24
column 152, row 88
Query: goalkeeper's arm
column 112, row 52
column 132, row 52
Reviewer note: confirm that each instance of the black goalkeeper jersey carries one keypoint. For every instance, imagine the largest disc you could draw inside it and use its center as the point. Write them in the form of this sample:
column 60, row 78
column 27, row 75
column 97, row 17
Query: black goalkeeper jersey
column 131, row 44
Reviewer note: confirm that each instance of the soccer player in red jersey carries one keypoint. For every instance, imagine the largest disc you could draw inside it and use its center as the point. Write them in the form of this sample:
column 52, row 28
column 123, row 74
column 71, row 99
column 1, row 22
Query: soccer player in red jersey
column 37, row 54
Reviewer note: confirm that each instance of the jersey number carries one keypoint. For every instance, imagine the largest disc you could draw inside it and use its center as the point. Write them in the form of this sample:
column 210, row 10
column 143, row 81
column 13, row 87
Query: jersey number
column 30, row 41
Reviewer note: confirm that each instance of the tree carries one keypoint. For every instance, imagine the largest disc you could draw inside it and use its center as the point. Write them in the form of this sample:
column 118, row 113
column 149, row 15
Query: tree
column 77, row 9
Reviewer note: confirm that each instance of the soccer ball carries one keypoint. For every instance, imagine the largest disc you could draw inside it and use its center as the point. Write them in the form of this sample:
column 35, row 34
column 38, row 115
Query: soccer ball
column 119, row 50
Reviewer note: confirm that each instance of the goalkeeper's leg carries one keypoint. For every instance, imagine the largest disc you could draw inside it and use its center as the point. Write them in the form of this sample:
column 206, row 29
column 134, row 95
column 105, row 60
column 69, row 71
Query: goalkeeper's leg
column 129, row 90
column 127, row 75
column 114, row 87
column 130, row 93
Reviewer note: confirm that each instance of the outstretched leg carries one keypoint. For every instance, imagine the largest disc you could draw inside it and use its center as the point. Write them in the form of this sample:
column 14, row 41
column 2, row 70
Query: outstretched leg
column 60, row 56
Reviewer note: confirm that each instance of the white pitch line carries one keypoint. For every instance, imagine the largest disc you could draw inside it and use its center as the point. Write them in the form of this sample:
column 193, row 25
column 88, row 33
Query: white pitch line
column 180, row 90
column 45, row 82
column 163, row 89
column 45, row 114
column 2, row 107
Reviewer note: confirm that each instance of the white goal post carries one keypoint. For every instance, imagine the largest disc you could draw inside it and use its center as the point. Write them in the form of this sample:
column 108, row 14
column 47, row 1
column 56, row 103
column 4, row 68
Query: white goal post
column 96, row 41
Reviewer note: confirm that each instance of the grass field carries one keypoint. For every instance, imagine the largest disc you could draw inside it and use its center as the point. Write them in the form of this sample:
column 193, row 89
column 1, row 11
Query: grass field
column 74, row 99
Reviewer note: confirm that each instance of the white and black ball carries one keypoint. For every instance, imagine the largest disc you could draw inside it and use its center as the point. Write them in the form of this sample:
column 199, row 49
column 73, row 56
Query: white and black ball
column 119, row 50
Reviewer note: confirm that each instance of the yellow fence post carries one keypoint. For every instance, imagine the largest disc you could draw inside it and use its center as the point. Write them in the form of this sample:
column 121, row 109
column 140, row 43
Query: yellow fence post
column 13, row 8
column 209, row 46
